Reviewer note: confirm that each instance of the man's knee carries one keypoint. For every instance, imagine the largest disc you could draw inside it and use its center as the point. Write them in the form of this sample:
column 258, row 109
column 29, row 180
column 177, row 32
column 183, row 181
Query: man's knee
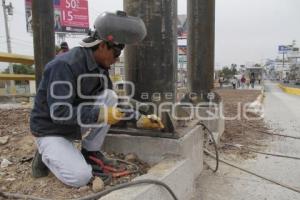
column 83, row 178
column 80, row 177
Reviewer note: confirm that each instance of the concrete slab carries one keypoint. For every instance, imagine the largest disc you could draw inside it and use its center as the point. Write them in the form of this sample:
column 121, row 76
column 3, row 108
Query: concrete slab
column 174, row 171
column 176, row 162
column 282, row 112
column 215, row 124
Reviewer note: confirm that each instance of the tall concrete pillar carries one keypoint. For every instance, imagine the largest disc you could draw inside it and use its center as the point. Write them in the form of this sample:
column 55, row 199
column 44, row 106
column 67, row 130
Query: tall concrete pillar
column 200, row 45
column 43, row 35
column 151, row 65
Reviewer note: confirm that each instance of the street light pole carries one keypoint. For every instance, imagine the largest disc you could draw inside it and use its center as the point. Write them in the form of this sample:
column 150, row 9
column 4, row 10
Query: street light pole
column 8, row 8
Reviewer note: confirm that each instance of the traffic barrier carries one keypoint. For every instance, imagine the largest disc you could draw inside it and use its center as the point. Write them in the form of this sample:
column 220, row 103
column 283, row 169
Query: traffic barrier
column 290, row 90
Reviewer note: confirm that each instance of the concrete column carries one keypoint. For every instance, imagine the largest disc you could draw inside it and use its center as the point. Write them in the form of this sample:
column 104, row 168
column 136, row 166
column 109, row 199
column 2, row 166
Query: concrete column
column 201, row 37
column 151, row 65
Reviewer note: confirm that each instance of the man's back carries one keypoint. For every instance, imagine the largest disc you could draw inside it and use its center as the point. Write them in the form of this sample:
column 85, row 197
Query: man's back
column 57, row 94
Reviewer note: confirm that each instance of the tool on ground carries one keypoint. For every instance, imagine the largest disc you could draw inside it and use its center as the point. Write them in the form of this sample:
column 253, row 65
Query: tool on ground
column 120, row 169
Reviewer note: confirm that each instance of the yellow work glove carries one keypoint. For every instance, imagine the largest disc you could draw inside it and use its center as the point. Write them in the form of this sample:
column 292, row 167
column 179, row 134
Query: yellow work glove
column 110, row 115
column 149, row 122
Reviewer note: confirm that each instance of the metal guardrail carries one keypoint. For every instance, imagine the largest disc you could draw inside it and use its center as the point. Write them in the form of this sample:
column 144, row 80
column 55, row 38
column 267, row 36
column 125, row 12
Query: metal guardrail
column 16, row 58
column 17, row 77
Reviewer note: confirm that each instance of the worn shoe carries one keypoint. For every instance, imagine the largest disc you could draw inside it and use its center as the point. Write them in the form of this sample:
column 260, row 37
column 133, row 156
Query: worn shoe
column 38, row 168
column 99, row 155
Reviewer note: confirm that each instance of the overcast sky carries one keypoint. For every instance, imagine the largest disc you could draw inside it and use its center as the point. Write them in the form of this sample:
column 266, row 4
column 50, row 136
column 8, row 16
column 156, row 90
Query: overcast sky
column 246, row 30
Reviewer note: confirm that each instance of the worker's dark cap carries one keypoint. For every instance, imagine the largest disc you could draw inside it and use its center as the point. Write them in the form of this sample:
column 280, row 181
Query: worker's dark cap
column 64, row 45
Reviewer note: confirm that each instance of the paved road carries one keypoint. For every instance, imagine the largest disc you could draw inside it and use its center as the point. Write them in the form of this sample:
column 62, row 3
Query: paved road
column 282, row 112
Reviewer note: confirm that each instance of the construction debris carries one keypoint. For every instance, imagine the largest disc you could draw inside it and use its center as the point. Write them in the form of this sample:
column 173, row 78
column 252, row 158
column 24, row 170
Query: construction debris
column 5, row 163
column 4, row 140
column 131, row 157
column 19, row 151
column 97, row 185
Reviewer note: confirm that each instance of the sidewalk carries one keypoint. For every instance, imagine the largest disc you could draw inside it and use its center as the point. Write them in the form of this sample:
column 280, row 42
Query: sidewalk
column 229, row 86
column 281, row 114
column 256, row 87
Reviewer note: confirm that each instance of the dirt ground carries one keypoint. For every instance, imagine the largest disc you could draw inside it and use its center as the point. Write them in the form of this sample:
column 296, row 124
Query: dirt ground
column 19, row 150
column 247, row 132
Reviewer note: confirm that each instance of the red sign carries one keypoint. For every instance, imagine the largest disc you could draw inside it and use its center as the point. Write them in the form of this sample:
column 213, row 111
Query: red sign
column 74, row 13
column 69, row 15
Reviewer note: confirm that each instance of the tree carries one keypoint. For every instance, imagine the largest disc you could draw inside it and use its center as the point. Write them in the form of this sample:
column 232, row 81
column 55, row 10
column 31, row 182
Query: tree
column 21, row 69
column 257, row 65
column 233, row 69
column 228, row 72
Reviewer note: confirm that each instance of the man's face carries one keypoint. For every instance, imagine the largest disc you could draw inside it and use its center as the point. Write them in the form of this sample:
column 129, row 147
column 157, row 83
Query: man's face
column 107, row 54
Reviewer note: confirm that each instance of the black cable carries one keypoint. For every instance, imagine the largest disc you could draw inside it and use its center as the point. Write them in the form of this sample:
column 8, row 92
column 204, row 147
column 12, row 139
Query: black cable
column 266, row 132
column 255, row 174
column 272, row 154
column 124, row 185
column 8, row 195
column 214, row 143
column 96, row 195
column 260, row 152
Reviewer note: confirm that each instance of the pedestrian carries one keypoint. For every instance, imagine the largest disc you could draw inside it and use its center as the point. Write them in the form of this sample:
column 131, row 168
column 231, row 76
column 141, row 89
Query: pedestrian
column 64, row 47
column 221, row 82
column 234, row 82
column 252, row 80
column 247, row 82
column 67, row 103
column 238, row 85
column 243, row 81
column 259, row 79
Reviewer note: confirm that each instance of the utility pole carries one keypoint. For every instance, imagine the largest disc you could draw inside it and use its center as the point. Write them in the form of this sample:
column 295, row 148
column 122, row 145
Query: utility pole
column 43, row 35
column 8, row 10
column 283, row 60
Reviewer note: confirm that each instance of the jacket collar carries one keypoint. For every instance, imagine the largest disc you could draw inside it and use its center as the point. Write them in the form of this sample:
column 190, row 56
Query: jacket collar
column 91, row 62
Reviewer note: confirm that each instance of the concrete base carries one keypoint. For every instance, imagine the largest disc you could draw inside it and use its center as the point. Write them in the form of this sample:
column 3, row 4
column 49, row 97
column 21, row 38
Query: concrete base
column 215, row 124
column 177, row 162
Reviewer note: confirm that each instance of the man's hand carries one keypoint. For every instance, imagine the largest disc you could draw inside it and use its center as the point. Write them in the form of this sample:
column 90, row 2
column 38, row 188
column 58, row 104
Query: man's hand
column 150, row 122
column 110, row 115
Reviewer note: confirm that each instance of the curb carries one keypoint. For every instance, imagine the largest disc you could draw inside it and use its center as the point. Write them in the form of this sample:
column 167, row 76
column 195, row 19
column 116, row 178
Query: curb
column 290, row 90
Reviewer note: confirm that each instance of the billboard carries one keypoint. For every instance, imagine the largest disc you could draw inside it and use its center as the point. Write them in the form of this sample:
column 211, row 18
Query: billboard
column 69, row 16
column 283, row 48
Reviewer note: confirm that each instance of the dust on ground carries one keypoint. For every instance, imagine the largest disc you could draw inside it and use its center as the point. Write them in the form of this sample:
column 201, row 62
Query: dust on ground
column 14, row 122
column 246, row 129
column 19, row 151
